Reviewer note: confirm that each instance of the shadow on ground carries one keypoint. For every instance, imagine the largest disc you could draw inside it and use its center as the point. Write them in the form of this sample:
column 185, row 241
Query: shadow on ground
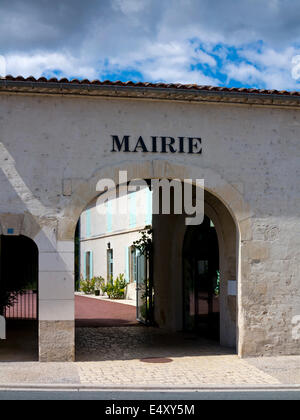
column 128, row 343
column 105, row 323
column 21, row 344
column 123, row 338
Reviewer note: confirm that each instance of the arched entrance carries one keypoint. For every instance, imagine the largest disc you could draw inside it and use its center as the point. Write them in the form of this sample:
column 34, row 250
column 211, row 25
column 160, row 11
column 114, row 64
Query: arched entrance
column 172, row 301
column 19, row 297
column 223, row 205
column 112, row 297
column 209, row 254
column 201, row 281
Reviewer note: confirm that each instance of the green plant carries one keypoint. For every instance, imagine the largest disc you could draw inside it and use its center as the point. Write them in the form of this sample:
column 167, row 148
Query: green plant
column 99, row 283
column 9, row 297
column 217, row 288
column 145, row 247
column 88, row 286
column 144, row 244
column 32, row 286
column 115, row 289
column 15, row 288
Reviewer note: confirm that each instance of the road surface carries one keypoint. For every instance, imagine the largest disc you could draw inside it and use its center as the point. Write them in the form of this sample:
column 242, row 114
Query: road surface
column 151, row 395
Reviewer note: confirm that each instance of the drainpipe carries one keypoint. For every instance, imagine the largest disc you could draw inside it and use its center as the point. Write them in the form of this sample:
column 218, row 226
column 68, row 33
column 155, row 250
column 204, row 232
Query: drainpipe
column 2, row 328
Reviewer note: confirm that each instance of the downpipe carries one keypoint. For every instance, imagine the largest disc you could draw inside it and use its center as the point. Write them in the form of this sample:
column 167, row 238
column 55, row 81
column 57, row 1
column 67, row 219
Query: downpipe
column 2, row 328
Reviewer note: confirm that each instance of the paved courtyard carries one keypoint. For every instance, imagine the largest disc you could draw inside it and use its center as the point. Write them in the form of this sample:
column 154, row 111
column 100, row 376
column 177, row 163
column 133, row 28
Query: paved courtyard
column 114, row 356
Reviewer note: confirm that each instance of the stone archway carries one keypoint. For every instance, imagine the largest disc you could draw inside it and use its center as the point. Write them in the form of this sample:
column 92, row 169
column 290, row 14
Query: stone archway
column 84, row 191
column 19, row 288
column 229, row 250
column 61, row 249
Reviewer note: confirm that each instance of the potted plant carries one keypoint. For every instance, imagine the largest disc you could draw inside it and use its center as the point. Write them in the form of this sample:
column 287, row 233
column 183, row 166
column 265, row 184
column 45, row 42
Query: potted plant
column 99, row 283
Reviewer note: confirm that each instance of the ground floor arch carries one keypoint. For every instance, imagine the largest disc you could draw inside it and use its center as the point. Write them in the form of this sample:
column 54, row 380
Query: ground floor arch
column 55, row 240
column 19, row 286
column 171, row 293
column 169, row 236
column 201, row 281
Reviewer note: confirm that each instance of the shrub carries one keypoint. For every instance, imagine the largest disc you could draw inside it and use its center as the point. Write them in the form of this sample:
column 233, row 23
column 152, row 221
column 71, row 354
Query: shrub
column 115, row 289
column 99, row 283
column 88, row 286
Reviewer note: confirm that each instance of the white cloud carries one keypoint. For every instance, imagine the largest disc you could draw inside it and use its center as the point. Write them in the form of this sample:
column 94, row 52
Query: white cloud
column 3, row 70
column 269, row 57
column 172, row 62
column 175, row 41
column 243, row 72
column 296, row 67
column 265, row 67
column 37, row 64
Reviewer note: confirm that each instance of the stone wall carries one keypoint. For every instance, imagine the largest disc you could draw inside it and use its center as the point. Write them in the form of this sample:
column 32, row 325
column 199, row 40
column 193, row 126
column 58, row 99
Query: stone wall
column 54, row 149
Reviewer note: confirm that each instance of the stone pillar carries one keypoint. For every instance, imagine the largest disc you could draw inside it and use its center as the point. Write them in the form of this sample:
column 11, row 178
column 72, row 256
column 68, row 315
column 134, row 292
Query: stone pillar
column 165, row 283
column 56, row 298
column 269, row 297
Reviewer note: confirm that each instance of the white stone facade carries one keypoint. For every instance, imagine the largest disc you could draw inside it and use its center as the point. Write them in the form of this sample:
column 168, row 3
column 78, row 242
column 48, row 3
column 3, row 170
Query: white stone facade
column 56, row 144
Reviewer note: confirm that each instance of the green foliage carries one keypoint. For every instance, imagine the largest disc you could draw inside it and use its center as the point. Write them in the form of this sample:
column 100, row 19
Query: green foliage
column 99, row 283
column 9, row 297
column 13, row 290
column 145, row 247
column 32, row 286
column 145, row 308
column 144, row 244
column 115, row 289
column 217, row 288
column 88, row 286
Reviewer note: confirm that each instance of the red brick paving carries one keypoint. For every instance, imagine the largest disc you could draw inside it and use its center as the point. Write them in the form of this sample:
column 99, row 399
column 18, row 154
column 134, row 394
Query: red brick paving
column 98, row 313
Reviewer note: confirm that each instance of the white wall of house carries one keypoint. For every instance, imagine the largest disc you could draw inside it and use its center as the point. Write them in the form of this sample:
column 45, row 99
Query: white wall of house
column 103, row 227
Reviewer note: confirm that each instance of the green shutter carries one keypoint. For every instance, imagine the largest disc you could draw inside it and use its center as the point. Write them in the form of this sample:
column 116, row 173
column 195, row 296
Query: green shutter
column 88, row 223
column 109, row 216
column 91, row 265
column 149, row 208
column 127, row 256
column 132, row 210
column 84, row 266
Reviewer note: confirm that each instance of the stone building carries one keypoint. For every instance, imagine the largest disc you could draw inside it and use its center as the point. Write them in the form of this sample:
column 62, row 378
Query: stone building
column 59, row 138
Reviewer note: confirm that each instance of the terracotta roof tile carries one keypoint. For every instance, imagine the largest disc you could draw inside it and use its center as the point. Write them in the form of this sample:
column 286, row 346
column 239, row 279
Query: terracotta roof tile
column 54, row 80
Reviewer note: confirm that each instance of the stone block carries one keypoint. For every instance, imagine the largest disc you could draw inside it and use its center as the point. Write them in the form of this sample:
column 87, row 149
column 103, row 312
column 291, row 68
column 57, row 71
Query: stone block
column 56, row 341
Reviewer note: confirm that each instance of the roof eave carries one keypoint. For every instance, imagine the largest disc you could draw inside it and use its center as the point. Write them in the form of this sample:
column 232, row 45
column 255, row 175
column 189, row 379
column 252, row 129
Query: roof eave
column 159, row 93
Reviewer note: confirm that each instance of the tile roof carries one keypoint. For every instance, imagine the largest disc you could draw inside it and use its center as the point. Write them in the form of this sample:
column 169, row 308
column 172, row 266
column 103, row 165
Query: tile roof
column 150, row 85
column 171, row 91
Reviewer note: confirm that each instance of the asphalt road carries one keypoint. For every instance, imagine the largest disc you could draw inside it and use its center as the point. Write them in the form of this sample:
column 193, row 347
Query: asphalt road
column 158, row 396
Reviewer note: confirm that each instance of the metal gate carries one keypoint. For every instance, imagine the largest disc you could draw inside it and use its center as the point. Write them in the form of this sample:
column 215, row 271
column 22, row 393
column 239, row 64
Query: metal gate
column 18, row 278
column 24, row 307
column 144, row 289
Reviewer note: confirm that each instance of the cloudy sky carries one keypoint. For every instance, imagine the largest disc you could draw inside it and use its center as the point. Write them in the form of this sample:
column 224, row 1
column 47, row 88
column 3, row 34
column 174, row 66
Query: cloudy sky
column 252, row 43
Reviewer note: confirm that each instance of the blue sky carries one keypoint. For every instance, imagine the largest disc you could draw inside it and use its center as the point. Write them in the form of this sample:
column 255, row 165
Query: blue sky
column 251, row 43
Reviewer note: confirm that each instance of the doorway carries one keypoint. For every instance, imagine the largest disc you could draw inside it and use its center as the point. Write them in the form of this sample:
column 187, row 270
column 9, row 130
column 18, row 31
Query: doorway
column 201, row 281
column 19, row 298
